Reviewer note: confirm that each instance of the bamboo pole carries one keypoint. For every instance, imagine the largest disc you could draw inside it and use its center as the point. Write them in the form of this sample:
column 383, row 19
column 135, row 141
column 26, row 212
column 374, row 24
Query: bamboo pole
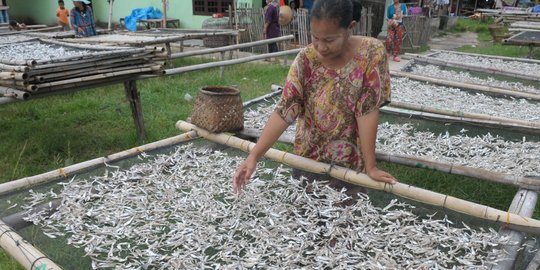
column 89, row 47
column 78, row 65
column 491, row 56
column 456, row 119
column 60, row 66
column 111, row 2
column 228, row 62
column 10, row 92
column 32, row 30
column 399, row 189
column 412, row 161
column 477, row 68
column 276, row 90
column 410, row 106
column 18, row 62
column 95, row 77
column 523, row 204
column 105, row 69
column 20, row 76
column 4, row 68
column 469, row 86
column 91, row 164
column 7, row 100
column 229, row 48
column 23, row 252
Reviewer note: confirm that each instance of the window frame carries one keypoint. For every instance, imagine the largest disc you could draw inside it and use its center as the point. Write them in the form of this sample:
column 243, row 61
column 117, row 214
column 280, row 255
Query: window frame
column 222, row 5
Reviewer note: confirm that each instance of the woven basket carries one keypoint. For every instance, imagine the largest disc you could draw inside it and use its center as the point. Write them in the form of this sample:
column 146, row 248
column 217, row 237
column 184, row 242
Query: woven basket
column 218, row 109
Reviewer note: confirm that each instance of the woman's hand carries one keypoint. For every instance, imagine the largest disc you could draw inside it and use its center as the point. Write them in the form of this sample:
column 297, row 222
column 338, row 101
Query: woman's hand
column 381, row 176
column 243, row 174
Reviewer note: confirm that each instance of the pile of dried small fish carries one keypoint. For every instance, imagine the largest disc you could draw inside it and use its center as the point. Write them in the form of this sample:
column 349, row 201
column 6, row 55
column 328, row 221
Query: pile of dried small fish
column 35, row 50
column 10, row 39
column 488, row 62
column 486, row 152
column 464, row 76
column 454, row 99
column 178, row 212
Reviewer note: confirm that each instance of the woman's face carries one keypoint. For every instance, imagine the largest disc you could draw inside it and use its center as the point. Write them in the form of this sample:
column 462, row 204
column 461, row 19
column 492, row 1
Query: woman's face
column 328, row 38
column 78, row 4
column 396, row 2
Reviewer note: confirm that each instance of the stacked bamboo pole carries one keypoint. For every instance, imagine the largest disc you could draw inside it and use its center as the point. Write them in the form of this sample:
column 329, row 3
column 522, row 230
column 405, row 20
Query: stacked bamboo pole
column 403, row 190
column 95, row 64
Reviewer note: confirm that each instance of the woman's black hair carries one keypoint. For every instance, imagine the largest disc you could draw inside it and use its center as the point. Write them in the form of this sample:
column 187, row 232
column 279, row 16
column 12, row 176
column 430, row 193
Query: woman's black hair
column 343, row 11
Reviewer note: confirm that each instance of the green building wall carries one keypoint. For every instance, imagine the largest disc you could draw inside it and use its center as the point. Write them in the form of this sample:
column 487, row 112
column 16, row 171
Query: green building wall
column 44, row 11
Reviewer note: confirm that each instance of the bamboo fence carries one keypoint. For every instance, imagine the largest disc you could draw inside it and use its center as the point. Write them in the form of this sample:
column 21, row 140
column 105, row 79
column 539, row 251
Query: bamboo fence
column 469, row 86
column 406, row 191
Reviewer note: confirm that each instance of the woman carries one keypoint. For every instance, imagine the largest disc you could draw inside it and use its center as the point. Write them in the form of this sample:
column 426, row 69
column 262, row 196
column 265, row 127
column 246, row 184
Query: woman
column 82, row 19
column 271, row 25
column 395, row 14
column 333, row 90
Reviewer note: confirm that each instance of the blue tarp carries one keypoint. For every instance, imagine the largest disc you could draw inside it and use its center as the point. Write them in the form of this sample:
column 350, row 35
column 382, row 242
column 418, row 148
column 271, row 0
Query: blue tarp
column 536, row 8
column 141, row 14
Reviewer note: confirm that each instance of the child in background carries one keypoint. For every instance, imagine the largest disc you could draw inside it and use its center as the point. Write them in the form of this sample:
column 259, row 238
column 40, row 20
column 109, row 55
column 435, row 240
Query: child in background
column 62, row 14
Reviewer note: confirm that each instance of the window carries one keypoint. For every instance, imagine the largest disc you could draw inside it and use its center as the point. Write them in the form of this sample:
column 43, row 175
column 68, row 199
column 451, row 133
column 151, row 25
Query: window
column 209, row 7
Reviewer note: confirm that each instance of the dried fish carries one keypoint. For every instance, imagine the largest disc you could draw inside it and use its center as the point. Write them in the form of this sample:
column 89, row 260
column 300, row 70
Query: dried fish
column 165, row 214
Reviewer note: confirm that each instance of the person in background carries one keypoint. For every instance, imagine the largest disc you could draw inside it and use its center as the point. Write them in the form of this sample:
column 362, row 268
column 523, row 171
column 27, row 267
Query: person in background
column 62, row 15
column 307, row 4
column 15, row 26
column 82, row 19
column 394, row 38
column 271, row 24
column 333, row 91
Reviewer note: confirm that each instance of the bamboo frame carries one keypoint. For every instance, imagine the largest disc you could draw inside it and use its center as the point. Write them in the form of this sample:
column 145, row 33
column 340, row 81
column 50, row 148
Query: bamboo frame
column 469, row 86
column 91, row 164
column 27, row 255
column 411, row 106
column 230, row 47
column 523, row 204
column 31, row 31
column 448, row 118
column 476, row 68
column 105, row 69
column 528, row 60
column 412, row 161
column 228, row 62
column 18, row 62
column 399, row 189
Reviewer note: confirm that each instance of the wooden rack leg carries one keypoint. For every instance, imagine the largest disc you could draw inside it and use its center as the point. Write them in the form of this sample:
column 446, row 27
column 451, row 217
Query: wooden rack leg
column 132, row 95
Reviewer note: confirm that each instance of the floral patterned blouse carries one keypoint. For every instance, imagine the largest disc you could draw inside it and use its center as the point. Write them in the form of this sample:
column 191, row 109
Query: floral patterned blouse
column 326, row 102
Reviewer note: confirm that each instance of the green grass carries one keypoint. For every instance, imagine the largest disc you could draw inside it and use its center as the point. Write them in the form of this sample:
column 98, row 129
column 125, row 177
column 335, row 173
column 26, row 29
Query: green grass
column 486, row 44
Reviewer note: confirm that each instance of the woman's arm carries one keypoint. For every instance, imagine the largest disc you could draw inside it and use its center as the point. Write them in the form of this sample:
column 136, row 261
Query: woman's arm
column 271, row 132
column 367, row 131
